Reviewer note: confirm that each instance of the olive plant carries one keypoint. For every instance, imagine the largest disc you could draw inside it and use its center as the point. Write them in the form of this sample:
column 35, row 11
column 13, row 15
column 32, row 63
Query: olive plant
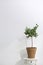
column 31, row 32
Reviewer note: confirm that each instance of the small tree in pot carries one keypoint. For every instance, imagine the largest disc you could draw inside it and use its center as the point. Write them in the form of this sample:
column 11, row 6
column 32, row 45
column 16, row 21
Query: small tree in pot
column 31, row 33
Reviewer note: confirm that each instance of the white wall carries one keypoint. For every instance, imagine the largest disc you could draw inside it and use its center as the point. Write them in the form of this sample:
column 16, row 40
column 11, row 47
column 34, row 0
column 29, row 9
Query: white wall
column 15, row 15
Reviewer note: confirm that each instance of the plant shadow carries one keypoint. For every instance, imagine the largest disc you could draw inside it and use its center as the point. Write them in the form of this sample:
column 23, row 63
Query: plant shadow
column 23, row 54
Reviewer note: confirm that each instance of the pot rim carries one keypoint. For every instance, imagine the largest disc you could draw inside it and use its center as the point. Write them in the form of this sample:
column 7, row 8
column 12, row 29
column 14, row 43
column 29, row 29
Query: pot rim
column 32, row 47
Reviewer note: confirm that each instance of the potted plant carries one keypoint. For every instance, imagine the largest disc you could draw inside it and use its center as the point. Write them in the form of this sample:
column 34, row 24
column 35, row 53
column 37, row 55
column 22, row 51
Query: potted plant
column 31, row 51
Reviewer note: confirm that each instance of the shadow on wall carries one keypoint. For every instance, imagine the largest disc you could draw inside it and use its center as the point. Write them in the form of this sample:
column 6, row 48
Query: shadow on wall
column 23, row 55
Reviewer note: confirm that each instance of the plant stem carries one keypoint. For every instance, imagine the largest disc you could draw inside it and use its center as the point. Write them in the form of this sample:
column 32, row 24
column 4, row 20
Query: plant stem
column 32, row 41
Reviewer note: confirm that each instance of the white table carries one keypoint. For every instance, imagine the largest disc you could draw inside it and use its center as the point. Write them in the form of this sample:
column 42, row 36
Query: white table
column 29, row 61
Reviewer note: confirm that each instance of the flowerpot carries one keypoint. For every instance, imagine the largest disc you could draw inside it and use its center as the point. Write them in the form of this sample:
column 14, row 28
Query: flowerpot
column 31, row 51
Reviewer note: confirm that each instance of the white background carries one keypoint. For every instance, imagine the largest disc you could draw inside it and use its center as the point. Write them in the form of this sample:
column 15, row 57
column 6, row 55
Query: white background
column 15, row 15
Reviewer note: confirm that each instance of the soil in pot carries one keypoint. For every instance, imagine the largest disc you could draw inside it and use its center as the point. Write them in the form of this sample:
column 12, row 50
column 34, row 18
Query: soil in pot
column 31, row 51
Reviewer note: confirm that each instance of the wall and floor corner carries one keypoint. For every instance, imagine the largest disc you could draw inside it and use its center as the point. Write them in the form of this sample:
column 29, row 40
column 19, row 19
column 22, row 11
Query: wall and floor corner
column 15, row 15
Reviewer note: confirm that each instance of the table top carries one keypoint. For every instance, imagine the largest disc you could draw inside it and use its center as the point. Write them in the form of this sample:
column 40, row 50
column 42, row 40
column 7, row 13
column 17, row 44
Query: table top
column 30, row 59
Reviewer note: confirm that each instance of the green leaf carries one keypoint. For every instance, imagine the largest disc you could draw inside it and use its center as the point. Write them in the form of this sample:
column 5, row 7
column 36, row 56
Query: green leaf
column 31, row 32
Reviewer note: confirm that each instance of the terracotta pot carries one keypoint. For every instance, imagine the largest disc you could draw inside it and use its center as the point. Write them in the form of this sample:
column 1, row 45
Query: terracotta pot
column 31, row 51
